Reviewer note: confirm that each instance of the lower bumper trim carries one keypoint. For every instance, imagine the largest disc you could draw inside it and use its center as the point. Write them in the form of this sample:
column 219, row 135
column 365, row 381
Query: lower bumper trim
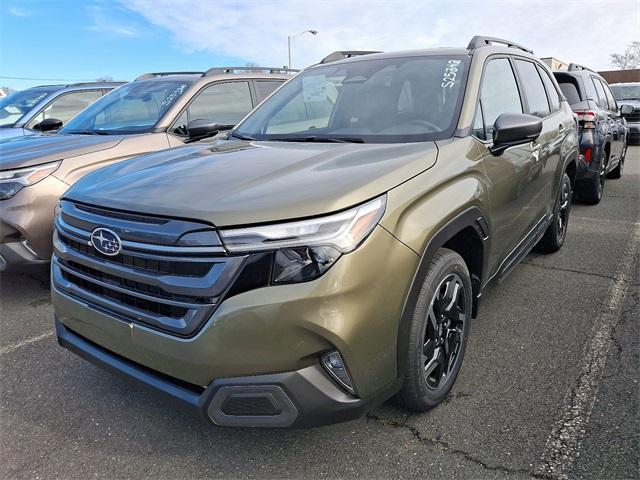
column 302, row 398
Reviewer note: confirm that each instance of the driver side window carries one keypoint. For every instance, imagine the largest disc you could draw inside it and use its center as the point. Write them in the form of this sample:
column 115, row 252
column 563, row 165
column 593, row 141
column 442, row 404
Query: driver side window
column 223, row 103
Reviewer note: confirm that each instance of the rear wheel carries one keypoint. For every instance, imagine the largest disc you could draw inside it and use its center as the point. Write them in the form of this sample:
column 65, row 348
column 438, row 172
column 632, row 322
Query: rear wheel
column 617, row 172
column 438, row 334
column 591, row 192
column 556, row 233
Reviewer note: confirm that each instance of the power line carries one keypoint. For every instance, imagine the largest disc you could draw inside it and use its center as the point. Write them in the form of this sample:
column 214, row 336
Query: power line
column 47, row 79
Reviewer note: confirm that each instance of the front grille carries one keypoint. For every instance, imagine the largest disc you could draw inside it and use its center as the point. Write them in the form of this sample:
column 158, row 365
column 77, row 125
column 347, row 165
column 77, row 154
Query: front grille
column 172, row 288
column 166, row 267
column 129, row 300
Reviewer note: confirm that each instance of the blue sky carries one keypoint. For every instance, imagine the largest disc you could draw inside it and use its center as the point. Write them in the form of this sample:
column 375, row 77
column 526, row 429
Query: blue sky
column 82, row 40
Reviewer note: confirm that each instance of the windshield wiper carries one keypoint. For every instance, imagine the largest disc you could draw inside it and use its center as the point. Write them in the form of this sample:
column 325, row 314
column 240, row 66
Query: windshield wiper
column 315, row 138
column 88, row 132
column 240, row 136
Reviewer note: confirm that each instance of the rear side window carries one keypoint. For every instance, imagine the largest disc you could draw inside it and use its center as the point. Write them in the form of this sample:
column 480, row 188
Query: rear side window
column 265, row 88
column 613, row 106
column 499, row 93
column 533, row 88
column 602, row 98
column 552, row 92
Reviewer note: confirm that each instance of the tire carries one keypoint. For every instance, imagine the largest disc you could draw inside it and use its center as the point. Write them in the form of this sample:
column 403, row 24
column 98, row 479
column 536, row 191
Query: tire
column 591, row 193
column 556, row 232
column 617, row 172
column 442, row 311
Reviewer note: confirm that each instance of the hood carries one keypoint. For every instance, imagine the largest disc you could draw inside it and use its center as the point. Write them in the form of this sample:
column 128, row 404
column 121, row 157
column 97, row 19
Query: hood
column 10, row 132
column 30, row 150
column 236, row 182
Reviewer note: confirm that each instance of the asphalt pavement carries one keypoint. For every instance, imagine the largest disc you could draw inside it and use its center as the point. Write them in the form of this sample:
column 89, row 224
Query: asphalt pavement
column 549, row 387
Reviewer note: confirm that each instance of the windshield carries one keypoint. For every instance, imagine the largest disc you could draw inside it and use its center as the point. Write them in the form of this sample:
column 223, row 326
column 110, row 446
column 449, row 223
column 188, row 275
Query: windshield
column 14, row 106
column 133, row 108
column 626, row 92
column 390, row 100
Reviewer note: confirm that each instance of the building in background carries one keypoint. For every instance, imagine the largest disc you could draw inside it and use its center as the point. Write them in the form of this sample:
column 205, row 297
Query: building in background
column 621, row 76
column 554, row 63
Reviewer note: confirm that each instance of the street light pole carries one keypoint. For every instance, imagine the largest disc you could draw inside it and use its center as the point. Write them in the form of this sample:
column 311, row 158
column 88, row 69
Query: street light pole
column 289, row 37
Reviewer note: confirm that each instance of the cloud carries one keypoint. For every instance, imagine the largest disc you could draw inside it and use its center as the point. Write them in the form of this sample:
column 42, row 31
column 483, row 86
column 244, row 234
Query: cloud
column 102, row 23
column 19, row 12
column 257, row 31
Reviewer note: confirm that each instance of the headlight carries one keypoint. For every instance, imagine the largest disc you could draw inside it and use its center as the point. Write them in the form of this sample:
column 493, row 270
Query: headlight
column 306, row 249
column 12, row 181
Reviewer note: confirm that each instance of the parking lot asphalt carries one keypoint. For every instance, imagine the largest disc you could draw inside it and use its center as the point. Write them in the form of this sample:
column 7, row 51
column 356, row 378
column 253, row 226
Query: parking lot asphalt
column 548, row 389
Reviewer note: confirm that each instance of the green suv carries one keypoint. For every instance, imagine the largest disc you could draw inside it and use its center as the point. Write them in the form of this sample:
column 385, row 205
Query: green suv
column 332, row 251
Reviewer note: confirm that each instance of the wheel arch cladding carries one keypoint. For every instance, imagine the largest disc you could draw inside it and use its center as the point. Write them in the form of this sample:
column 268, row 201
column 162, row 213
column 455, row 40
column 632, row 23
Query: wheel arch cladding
column 468, row 235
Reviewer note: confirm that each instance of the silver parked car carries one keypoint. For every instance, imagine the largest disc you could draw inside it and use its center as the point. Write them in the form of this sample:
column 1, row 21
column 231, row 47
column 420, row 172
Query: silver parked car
column 47, row 107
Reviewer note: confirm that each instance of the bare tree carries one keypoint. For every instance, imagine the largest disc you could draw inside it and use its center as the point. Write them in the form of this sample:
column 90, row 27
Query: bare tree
column 105, row 78
column 629, row 59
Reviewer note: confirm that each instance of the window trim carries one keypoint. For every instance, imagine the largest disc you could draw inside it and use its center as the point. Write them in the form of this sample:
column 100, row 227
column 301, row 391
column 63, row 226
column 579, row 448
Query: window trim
column 57, row 97
column 169, row 128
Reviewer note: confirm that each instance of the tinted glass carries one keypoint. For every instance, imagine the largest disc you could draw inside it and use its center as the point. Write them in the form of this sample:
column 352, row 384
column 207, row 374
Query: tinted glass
column 133, row 108
column 626, row 92
column 533, row 88
column 223, row 103
column 264, row 89
column 552, row 92
column 602, row 98
column 66, row 106
column 384, row 100
column 14, row 106
column 499, row 92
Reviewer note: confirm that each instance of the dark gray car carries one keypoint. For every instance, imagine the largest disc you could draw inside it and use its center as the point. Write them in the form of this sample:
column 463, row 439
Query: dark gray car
column 603, row 130
column 629, row 94
column 23, row 112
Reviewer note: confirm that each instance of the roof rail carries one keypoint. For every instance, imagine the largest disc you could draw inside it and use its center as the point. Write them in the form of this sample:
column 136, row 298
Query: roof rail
column 480, row 41
column 226, row 70
column 342, row 54
column 79, row 84
column 576, row 66
column 147, row 76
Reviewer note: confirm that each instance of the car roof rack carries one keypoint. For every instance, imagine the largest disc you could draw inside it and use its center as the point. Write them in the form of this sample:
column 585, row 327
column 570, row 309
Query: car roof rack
column 80, row 84
column 342, row 54
column 574, row 67
column 481, row 41
column 227, row 70
column 147, row 76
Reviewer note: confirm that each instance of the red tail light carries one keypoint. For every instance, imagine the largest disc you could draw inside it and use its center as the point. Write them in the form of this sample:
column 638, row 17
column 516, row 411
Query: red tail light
column 588, row 155
column 587, row 119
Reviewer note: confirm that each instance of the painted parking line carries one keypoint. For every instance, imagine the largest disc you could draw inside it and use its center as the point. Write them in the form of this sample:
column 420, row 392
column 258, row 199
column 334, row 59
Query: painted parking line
column 563, row 443
column 24, row 343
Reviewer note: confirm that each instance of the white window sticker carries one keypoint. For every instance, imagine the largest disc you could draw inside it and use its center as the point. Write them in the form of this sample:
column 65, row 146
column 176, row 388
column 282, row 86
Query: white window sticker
column 314, row 88
column 450, row 73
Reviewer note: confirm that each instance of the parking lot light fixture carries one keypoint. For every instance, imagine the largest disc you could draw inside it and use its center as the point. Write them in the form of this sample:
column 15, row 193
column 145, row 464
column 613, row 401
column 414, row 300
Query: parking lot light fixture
column 289, row 37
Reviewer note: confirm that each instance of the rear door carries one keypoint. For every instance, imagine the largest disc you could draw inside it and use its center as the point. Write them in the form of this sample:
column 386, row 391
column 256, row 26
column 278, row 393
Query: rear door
column 617, row 127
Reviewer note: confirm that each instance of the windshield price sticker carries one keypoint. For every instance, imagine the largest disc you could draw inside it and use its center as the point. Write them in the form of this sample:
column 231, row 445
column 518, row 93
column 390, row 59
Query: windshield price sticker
column 450, row 73
column 314, row 88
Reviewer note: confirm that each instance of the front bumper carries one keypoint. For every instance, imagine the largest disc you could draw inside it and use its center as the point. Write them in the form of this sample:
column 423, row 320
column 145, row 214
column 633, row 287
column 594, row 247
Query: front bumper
column 302, row 398
column 26, row 223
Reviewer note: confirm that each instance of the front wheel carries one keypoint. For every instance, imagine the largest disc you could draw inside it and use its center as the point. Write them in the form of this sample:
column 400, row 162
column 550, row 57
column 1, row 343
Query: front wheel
column 438, row 333
column 556, row 232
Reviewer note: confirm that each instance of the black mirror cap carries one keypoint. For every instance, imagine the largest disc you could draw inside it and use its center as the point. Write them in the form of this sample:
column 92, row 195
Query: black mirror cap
column 48, row 124
column 512, row 129
column 626, row 109
column 200, row 128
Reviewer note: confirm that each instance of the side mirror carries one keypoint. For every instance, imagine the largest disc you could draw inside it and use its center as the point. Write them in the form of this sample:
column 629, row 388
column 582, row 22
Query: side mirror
column 199, row 129
column 626, row 109
column 48, row 124
column 512, row 129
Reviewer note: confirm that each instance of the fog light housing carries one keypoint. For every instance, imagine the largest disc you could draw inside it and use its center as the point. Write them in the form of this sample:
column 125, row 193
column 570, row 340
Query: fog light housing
column 334, row 365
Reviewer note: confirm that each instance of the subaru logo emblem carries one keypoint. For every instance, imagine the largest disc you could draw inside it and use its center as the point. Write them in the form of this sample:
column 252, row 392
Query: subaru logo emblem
column 106, row 241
